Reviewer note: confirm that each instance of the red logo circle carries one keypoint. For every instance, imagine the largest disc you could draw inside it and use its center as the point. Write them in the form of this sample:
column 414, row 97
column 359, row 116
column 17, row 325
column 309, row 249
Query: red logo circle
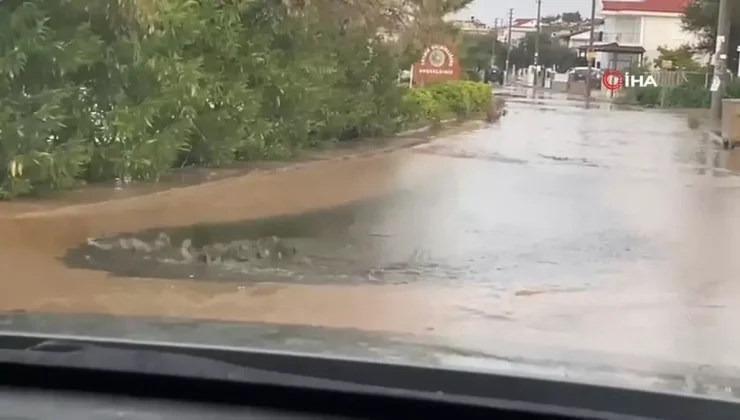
column 612, row 79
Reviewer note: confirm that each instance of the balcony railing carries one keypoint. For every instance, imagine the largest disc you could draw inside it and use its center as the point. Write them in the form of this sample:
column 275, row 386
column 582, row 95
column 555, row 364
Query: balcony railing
column 620, row 38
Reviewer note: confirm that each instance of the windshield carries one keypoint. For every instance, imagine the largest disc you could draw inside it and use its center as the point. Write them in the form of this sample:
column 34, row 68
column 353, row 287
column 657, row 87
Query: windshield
column 347, row 179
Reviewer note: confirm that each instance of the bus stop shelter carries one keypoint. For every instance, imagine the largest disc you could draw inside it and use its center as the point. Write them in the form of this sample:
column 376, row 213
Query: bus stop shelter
column 615, row 56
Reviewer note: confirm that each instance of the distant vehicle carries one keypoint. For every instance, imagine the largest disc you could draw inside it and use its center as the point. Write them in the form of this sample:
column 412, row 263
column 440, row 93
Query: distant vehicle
column 404, row 77
column 578, row 74
column 494, row 75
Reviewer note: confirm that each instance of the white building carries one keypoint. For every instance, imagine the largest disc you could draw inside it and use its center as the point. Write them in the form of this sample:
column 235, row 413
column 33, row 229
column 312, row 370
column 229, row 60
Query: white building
column 634, row 29
column 472, row 25
column 580, row 38
column 519, row 29
column 577, row 37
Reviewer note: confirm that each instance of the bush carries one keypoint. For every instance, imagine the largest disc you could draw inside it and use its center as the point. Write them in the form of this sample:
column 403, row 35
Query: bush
column 733, row 90
column 683, row 96
column 129, row 90
column 648, row 96
column 689, row 95
column 445, row 100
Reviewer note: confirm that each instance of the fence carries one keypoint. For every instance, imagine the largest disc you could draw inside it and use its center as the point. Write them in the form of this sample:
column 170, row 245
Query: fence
column 669, row 78
column 677, row 89
column 673, row 78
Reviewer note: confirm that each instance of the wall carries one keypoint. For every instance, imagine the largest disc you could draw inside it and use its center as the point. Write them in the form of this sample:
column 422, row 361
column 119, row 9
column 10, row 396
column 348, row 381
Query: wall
column 624, row 29
column 575, row 43
column 651, row 31
column 663, row 31
column 580, row 39
column 517, row 34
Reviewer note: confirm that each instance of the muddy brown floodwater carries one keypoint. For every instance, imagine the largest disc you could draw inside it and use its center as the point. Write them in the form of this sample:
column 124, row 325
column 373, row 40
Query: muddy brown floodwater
column 558, row 227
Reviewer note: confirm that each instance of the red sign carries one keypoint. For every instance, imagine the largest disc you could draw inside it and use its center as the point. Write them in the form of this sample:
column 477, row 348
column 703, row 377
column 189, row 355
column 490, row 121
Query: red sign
column 612, row 79
column 438, row 63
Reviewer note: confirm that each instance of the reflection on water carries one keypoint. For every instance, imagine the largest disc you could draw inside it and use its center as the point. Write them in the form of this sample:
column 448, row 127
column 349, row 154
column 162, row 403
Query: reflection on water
column 589, row 229
column 436, row 232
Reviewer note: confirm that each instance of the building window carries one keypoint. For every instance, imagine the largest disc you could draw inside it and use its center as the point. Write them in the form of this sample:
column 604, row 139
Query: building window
column 623, row 29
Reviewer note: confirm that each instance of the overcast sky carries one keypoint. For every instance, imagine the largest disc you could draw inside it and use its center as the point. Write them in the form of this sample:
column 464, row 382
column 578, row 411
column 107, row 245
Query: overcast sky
column 488, row 10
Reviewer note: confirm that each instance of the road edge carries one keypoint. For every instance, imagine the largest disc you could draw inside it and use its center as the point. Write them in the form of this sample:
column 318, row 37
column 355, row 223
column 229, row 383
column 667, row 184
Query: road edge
column 400, row 141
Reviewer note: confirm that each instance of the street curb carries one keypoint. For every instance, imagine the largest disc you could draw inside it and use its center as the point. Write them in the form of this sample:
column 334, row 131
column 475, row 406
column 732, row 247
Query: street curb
column 421, row 129
column 370, row 152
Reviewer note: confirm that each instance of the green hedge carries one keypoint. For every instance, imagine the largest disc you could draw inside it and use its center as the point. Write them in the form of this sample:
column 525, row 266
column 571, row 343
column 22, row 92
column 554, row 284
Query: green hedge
column 439, row 101
column 124, row 89
column 733, row 90
column 683, row 96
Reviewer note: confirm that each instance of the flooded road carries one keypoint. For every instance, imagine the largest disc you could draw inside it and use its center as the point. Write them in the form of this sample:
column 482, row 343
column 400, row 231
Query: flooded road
column 557, row 230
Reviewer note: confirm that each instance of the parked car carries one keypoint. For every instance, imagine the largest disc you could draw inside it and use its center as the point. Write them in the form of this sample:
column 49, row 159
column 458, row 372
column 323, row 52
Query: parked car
column 494, row 75
column 578, row 74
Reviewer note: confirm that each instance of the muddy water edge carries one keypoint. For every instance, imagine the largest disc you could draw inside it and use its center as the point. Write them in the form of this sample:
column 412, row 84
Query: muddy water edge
column 38, row 235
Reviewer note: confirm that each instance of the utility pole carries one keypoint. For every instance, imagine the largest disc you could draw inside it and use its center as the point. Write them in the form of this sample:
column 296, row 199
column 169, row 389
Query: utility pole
column 537, row 44
column 589, row 51
column 495, row 40
column 508, row 42
column 719, row 84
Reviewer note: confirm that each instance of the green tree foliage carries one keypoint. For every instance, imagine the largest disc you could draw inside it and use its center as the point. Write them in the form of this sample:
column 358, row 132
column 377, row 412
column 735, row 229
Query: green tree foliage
column 425, row 25
column 129, row 89
column 572, row 17
column 701, row 17
column 681, row 58
column 477, row 49
column 551, row 53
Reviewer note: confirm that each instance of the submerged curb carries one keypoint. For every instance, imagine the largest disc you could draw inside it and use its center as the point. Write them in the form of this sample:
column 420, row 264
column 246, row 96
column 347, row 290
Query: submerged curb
column 424, row 129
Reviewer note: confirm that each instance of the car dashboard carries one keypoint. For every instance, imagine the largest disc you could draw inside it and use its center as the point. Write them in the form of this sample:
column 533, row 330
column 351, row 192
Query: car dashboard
column 45, row 378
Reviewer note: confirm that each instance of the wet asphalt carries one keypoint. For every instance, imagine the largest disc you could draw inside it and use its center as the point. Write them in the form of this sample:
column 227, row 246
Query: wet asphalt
column 575, row 234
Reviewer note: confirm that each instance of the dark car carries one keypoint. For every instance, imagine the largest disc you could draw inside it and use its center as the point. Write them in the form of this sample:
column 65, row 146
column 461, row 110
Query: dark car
column 579, row 74
column 494, row 75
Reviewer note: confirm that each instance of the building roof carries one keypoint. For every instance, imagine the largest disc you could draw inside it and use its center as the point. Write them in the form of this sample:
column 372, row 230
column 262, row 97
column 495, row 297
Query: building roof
column 522, row 21
column 656, row 6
